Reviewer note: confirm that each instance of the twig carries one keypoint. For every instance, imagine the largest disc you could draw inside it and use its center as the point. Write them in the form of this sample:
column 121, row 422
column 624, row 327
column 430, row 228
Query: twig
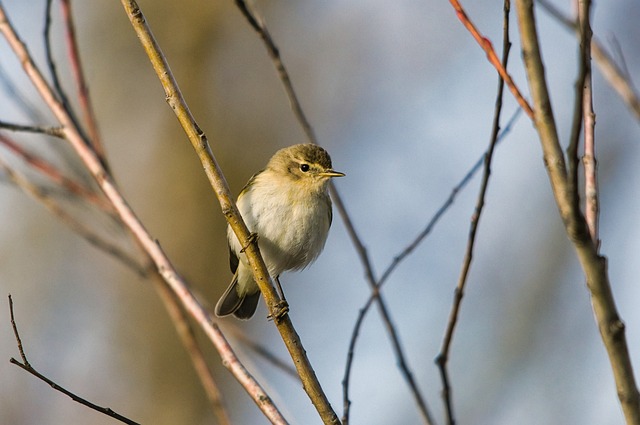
column 57, row 84
column 49, row 131
column 485, row 44
column 617, row 78
column 611, row 327
column 263, row 352
column 188, row 338
column 128, row 217
column 18, row 97
column 25, row 365
column 55, row 176
column 592, row 208
column 214, row 173
column 405, row 253
column 85, row 232
column 443, row 357
column 81, row 84
column 259, row 26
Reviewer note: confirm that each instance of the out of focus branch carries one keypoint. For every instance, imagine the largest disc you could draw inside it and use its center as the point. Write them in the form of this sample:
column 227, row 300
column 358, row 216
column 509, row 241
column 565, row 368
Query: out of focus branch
column 612, row 329
column 95, row 166
column 614, row 74
column 25, row 365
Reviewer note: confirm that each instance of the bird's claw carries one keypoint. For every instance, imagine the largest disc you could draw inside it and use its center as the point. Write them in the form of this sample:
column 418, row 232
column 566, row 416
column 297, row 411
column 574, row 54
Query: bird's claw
column 281, row 309
column 253, row 237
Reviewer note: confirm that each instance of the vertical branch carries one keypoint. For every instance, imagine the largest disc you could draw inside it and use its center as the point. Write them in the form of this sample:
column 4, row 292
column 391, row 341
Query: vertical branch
column 83, row 90
column 443, row 357
column 611, row 327
column 590, row 163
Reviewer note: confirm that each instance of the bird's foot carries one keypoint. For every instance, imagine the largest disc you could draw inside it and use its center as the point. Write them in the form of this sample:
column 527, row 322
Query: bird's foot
column 281, row 309
column 253, row 237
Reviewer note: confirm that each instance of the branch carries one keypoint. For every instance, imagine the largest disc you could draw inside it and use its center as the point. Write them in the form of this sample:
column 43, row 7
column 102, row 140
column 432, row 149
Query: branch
column 49, row 131
column 81, row 84
column 25, row 365
column 260, row 27
column 485, row 44
column 85, row 232
column 612, row 329
column 131, row 221
column 617, row 78
column 443, row 357
column 219, row 185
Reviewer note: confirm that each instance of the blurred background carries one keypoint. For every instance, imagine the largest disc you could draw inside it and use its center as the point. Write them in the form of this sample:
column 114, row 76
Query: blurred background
column 403, row 99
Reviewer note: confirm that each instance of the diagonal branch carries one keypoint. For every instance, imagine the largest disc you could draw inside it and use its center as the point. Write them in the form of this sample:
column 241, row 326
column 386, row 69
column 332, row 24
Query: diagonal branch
column 214, row 173
column 25, row 365
column 485, row 44
column 131, row 221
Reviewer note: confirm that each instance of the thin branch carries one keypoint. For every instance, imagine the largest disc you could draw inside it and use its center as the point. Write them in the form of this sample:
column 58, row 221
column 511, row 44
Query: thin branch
column 592, row 208
column 128, row 217
column 188, row 338
column 27, row 367
column 403, row 255
column 443, row 358
column 259, row 26
column 616, row 76
column 55, row 176
column 18, row 97
column 486, row 45
column 611, row 327
column 49, row 131
column 263, row 352
column 85, row 232
column 81, row 84
column 53, row 69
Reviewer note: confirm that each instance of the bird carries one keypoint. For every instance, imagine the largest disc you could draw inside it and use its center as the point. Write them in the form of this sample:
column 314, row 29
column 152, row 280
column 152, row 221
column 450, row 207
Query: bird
column 287, row 207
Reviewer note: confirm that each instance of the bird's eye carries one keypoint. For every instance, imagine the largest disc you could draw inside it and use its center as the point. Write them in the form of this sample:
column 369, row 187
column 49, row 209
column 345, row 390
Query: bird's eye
column 304, row 167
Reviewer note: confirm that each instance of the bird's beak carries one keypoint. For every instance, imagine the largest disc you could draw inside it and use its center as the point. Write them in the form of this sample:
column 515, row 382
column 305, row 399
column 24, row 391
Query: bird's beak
column 332, row 173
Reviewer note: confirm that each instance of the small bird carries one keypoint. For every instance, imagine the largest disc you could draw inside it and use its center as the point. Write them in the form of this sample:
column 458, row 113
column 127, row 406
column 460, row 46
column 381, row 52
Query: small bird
column 287, row 207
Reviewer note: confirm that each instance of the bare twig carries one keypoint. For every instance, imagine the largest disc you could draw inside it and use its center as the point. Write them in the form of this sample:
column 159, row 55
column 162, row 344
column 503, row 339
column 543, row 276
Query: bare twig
column 214, row 173
column 25, row 365
column 590, row 163
column 485, row 44
column 49, row 131
column 616, row 76
column 53, row 69
column 443, row 357
column 55, row 176
column 85, row 232
column 259, row 26
column 188, row 338
column 262, row 351
column 128, row 217
column 611, row 327
column 81, row 84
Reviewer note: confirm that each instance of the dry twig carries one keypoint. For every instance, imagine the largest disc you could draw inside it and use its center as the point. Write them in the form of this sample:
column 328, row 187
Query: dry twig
column 95, row 166
column 25, row 365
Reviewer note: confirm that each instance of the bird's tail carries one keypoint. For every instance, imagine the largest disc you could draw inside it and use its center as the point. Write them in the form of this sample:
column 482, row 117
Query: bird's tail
column 243, row 306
